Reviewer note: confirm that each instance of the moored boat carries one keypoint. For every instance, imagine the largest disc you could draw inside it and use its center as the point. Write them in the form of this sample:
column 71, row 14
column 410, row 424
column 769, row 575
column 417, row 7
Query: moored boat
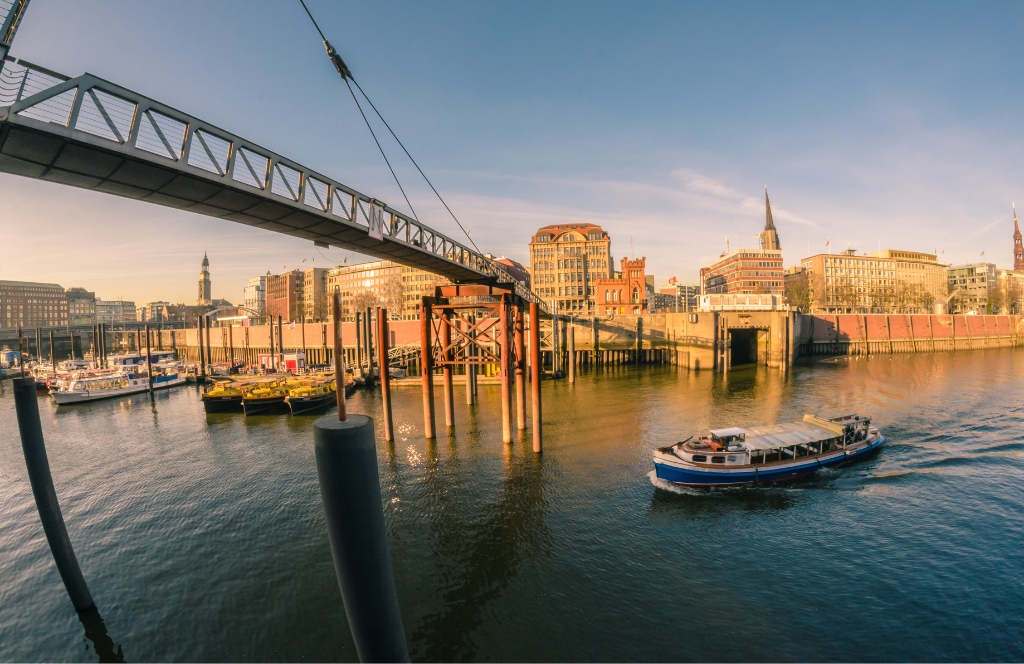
column 265, row 397
column 93, row 386
column 312, row 397
column 737, row 456
column 224, row 396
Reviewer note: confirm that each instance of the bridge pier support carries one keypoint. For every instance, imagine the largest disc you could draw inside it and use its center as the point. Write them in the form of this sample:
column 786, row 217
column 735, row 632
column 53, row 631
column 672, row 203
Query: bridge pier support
column 520, row 364
column 426, row 367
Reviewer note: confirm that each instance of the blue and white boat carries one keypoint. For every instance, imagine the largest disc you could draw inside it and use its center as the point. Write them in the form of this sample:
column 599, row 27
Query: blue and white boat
column 93, row 386
column 738, row 457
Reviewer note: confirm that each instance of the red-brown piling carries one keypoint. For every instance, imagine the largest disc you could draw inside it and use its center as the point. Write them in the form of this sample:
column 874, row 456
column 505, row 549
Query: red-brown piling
column 537, row 370
column 339, row 358
column 385, row 375
column 427, row 368
column 520, row 364
column 446, row 368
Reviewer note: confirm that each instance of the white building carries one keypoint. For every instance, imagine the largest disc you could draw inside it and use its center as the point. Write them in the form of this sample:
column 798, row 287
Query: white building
column 113, row 312
column 255, row 297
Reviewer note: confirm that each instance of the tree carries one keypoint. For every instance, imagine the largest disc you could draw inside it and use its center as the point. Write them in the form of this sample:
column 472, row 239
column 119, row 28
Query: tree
column 798, row 293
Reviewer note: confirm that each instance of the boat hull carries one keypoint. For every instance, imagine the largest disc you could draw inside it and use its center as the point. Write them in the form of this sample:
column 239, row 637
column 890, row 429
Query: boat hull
column 222, row 404
column 302, row 405
column 752, row 475
column 264, row 406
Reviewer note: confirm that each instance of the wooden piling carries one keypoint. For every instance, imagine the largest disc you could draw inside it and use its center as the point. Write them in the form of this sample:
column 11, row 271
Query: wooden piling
column 535, row 378
column 506, row 363
column 385, row 374
column 426, row 368
column 339, row 357
column 231, row 347
column 520, row 369
column 572, row 352
column 470, row 367
column 53, row 355
column 446, row 369
column 359, row 343
column 149, row 362
column 280, row 339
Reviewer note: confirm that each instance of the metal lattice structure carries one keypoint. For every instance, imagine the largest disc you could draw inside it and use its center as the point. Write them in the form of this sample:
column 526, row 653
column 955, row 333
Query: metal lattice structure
column 90, row 133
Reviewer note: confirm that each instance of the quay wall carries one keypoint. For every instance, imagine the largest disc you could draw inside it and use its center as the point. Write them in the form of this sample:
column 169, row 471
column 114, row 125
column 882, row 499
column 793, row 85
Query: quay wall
column 698, row 340
column 868, row 334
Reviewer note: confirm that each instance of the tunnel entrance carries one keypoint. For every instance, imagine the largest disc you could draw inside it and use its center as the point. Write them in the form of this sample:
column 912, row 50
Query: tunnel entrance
column 749, row 346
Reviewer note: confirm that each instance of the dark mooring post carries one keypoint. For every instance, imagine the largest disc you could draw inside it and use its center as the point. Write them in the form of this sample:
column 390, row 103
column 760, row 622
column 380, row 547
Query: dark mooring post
column 506, row 364
column 368, row 328
column 39, row 344
column 385, row 374
column 270, row 336
column 446, row 368
column 537, row 370
column 339, row 358
column 27, row 406
column 346, row 465
column 202, row 356
column 280, row 340
column 427, row 368
column 72, row 337
column 572, row 351
column 231, row 347
column 520, row 369
column 149, row 361
column 359, row 343
column 53, row 355
column 138, row 341
column 470, row 353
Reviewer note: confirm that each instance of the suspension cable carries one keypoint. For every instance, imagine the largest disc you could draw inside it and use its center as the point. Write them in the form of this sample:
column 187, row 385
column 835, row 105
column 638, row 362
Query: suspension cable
column 346, row 75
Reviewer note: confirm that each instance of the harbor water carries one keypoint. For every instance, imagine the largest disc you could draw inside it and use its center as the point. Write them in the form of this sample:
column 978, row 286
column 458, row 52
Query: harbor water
column 203, row 538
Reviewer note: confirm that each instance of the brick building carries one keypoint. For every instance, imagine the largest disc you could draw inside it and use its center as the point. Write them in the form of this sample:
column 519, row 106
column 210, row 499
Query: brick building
column 624, row 293
column 112, row 312
column 32, row 304
column 566, row 260
column 283, row 295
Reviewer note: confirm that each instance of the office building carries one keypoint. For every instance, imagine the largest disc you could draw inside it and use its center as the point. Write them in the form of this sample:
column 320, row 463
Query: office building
column 887, row 281
column 254, row 297
column 975, row 285
column 115, row 312
column 397, row 288
column 81, row 306
column 566, row 260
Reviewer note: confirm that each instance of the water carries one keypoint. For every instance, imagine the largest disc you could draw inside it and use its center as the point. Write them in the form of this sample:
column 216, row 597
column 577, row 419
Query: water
column 202, row 538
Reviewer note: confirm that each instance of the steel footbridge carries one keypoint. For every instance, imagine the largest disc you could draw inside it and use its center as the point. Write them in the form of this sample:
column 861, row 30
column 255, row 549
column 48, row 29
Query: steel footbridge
column 90, row 133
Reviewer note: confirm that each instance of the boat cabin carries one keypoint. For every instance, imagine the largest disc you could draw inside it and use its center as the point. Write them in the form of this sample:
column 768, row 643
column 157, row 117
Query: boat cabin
column 814, row 436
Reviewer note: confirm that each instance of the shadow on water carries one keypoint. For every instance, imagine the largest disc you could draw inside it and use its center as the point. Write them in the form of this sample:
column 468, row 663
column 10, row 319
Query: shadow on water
column 481, row 555
column 96, row 633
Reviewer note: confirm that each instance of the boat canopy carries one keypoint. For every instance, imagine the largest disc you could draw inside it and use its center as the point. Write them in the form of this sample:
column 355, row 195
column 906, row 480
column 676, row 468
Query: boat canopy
column 786, row 435
column 728, row 433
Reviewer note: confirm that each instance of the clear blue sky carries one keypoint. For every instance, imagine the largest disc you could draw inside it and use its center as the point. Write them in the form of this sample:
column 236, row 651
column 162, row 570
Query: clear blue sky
column 892, row 124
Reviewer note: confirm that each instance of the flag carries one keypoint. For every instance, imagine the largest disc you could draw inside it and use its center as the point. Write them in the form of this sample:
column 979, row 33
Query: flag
column 292, row 326
column 828, row 242
column 673, row 280
column 983, row 254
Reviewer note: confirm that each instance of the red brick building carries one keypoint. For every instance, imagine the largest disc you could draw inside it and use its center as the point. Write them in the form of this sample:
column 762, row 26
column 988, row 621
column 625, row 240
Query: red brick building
column 626, row 293
column 283, row 296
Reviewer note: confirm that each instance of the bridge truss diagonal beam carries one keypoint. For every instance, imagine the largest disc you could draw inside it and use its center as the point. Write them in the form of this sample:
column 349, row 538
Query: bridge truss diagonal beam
column 90, row 133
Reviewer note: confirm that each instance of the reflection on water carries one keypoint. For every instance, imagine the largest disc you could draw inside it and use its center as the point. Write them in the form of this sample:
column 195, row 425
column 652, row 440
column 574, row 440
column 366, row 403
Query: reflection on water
column 202, row 536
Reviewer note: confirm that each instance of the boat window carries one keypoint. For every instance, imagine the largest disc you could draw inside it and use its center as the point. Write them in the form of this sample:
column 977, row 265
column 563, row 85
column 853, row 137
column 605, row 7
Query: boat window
column 772, row 456
column 700, row 458
column 801, row 450
column 718, row 459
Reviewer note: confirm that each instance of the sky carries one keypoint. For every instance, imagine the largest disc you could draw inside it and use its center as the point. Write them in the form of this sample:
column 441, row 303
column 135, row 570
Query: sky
column 873, row 125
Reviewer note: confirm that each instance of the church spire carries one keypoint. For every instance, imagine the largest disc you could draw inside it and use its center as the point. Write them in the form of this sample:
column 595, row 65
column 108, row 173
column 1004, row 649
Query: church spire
column 769, row 236
column 1018, row 246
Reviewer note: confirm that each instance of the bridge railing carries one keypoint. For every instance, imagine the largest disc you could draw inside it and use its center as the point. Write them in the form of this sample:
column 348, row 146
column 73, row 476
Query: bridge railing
column 147, row 129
